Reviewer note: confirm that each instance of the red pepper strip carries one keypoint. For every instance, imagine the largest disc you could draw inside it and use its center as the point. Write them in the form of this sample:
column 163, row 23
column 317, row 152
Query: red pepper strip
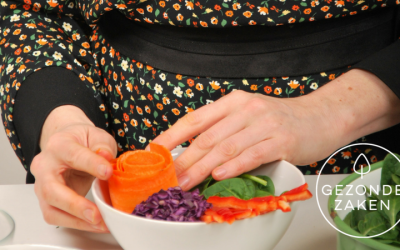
column 283, row 204
column 207, row 218
column 305, row 195
column 226, row 214
column 297, row 190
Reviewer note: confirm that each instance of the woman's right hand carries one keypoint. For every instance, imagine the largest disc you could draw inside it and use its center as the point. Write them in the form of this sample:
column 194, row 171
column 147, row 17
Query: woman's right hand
column 67, row 165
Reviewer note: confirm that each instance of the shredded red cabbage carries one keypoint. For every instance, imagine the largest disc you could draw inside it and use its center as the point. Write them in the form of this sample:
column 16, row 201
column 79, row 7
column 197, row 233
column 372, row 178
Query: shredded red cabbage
column 173, row 205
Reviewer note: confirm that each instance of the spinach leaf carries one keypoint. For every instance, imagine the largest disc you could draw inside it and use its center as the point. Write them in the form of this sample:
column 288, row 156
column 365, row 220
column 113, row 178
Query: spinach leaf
column 204, row 184
column 354, row 217
column 270, row 188
column 374, row 223
column 394, row 205
column 390, row 170
column 236, row 187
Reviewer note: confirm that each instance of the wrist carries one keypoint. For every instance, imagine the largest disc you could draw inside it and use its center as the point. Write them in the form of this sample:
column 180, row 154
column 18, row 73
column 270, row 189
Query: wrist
column 357, row 104
column 60, row 118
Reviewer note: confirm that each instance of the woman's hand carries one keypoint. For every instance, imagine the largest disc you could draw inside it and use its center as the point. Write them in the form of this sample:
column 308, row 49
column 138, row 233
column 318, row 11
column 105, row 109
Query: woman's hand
column 241, row 131
column 66, row 167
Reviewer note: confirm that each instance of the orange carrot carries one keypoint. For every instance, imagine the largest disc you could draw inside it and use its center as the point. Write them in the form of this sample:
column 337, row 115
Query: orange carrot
column 139, row 174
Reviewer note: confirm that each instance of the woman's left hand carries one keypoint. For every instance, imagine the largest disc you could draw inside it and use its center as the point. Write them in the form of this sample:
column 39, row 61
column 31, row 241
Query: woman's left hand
column 241, row 131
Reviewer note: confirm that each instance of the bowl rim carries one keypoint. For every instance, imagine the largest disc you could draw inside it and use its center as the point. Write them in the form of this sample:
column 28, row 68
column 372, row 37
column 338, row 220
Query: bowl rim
column 341, row 225
column 196, row 223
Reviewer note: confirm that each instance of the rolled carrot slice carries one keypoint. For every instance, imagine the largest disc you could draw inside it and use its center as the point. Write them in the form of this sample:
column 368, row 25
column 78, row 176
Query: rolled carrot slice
column 139, row 174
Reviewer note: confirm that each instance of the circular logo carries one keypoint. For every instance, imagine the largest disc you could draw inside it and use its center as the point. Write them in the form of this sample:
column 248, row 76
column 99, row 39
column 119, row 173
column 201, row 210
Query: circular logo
column 362, row 172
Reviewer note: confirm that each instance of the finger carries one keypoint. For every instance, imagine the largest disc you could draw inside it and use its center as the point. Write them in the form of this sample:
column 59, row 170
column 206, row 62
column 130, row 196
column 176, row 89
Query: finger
column 199, row 120
column 224, row 151
column 62, row 197
column 102, row 142
column 205, row 142
column 55, row 216
column 84, row 159
column 251, row 158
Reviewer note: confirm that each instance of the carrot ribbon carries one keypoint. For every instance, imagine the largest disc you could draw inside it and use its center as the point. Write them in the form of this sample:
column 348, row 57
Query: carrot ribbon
column 139, row 174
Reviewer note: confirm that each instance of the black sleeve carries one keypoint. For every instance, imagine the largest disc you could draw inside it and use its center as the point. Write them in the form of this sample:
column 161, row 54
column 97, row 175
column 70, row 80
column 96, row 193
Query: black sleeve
column 42, row 92
column 385, row 64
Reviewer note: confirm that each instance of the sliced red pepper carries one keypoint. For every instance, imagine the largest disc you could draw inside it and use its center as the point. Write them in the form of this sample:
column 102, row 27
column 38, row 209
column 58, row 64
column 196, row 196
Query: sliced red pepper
column 304, row 195
column 207, row 218
column 297, row 190
column 283, row 204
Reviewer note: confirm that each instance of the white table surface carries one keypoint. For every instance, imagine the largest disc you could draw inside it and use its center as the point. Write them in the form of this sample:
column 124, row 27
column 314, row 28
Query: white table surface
column 308, row 231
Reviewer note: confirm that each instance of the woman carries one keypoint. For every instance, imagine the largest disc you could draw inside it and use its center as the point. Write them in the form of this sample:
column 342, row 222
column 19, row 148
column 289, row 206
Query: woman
column 83, row 68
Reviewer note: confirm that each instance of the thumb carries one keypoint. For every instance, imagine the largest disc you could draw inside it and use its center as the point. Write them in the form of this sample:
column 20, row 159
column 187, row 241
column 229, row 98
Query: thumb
column 102, row 143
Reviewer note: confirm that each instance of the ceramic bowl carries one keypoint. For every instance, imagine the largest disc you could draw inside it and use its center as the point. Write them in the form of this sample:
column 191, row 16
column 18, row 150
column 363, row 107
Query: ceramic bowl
column 345, row 242
column 257, row 233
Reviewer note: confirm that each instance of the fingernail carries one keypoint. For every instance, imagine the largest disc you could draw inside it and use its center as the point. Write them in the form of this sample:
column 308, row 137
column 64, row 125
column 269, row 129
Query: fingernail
column 183, row 181
column 89, row 215
column 99, row 226
column 103, row 170
column 220, row 172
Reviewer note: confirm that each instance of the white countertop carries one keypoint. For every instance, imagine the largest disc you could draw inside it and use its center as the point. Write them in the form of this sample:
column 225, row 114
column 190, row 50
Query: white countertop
column 308, row 231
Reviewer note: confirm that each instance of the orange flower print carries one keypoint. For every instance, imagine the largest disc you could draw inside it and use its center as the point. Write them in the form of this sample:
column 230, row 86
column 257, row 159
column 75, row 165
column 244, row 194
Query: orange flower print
column 41, row 41
column 147, row 109
column 353, row 13
column 147, row 122
column 179, row 17
column 229, row 13
column 278, row 91
column 134, row 123
column 189, row 5
column 149, row 8
column 236, row 6
column 328, row 16
column 247, row 14
column 332, row 161
column 188, row 110
column 262, row 10
column 17, row 32
column 365, row 7
column 325, row 8
column 313, row 165
column 165, row 15
column 82, row 52
column 253, row 87
column 129, row 86
column 215, row 85
column 121, row 132
column 335, row 169
column 291, row 20
column 214, row 20
column 332, row 76
column 190, row 82
column 126, row 117
column 217, row 7
column 189, row 93
column 166, row 100
column 374, row 159
column 86, row 45
column 160, row 106
column 339, row 3
column 176, row 111
column 164, row 117
column 162, row 4
column 140, row 10
column 121, row 6
column 307, row 11
column 267, row 89
column 346, row 155
column 295, row 7
column 203, row 24
column 293, row 84
column 139, row 110
column 252, row 22
column 179, row 76
column 176, row 7
column 102, row 107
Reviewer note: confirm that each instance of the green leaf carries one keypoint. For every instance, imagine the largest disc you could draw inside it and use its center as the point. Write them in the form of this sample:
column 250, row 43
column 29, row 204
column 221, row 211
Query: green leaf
column 354, row 217
column 126, row 103
column 270, row 188
column 157, row 12
column 394, row 205
column 181, row 84
column 301, row 20
column 374, row 223
column 17, row 11
column 236, row 187
column 223, row 23
column 188, row 21
column 156, row 97
column 58, row 63
column 10, row 109
column 391, row 166
column 155, row 114
column 225, row 5
column 304, row 4
column 32, row 37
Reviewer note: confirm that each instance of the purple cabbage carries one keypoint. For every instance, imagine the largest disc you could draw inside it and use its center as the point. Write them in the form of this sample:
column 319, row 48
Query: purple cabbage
column 173, row 205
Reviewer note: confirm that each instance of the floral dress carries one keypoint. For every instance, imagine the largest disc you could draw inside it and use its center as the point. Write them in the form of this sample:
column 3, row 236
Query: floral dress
column 140, row 101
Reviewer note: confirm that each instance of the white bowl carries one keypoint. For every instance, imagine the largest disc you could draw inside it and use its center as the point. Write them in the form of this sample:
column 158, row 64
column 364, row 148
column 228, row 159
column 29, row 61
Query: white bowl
column 260, row 232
